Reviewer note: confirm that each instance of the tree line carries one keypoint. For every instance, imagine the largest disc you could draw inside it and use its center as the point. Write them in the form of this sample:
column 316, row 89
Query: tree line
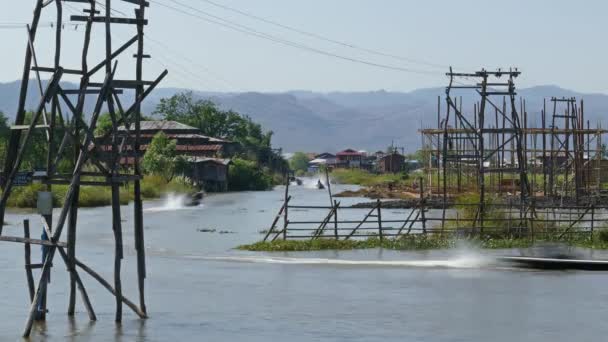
column 256, row 164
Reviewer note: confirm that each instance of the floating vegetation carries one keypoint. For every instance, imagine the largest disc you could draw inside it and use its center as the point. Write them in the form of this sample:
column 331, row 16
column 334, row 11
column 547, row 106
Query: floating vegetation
column 599, row 240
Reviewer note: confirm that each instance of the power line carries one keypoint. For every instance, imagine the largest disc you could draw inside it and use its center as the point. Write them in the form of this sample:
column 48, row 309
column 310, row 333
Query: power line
column 14, row 25
column 324, row 38
column 103, row 7
column 250, row 31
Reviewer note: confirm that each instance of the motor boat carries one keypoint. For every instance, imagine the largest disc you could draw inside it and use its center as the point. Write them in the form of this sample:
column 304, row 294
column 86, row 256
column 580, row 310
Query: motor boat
column 555, row 257
column 320, row 185
column 195, row 199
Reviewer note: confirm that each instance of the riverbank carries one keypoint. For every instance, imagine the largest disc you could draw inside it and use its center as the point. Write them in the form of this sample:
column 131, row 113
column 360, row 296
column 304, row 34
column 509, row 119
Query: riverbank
column 375, row 186
column 152, row 187
column 423, row 242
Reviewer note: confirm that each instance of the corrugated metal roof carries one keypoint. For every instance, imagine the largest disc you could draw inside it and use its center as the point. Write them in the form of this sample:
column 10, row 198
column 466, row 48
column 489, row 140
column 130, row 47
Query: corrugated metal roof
column 206, row 160
column 198, row 147
column 214, row 147
column 162, row 125
column 349, row 152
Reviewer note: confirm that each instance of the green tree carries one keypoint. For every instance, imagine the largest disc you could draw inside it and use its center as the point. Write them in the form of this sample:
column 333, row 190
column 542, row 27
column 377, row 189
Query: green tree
column 104, row 124
column 4, row 133
column 299, row 162
column 254, row 142
column 4, row 126
column 160, row 158
column 35, row 154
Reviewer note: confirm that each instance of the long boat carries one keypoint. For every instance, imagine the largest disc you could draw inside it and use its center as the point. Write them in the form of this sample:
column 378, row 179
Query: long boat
column 556, row 263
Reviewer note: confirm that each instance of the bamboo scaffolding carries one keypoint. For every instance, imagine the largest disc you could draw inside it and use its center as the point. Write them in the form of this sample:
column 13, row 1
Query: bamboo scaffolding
column 80, row 135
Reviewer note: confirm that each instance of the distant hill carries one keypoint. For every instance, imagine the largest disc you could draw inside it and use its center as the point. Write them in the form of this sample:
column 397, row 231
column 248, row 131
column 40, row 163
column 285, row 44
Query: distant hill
column 313, row 121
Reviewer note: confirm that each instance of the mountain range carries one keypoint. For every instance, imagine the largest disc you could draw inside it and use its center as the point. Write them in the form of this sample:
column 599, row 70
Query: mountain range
column 316, row 122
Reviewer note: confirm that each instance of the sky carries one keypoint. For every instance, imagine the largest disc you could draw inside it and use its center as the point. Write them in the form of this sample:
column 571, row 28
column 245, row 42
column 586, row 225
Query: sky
column 553, row 42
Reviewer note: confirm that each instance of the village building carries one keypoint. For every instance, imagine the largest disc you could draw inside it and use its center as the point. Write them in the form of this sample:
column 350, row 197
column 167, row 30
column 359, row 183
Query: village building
column 324, row 159
column 206, row 155
column 391, row 163
column 212, row 173
column 379, row 155
column 349, row 158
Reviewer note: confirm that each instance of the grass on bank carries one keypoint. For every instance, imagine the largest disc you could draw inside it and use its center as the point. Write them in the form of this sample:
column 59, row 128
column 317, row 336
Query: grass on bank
column 94, row 196
column 599, row 240
column 364, row 178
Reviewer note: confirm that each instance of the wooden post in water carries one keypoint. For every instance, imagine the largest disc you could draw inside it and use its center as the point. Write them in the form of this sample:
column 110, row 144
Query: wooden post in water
column 331, row 198
column 28, row 260
column 286, row 211
column 72, row 218
column 422, row 206
column 592, row 219
column 336, row 220
column 379, row 208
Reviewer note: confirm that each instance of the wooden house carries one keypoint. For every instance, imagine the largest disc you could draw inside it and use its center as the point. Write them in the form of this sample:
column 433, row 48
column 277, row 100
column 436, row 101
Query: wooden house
column 391, row 163
column 349, row 158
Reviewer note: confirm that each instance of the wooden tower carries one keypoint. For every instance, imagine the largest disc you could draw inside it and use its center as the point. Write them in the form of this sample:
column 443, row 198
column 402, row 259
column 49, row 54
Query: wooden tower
column 69, row 132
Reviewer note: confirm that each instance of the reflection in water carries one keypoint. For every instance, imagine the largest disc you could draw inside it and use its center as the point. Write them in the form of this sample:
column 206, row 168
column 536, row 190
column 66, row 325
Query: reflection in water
column 76, row 332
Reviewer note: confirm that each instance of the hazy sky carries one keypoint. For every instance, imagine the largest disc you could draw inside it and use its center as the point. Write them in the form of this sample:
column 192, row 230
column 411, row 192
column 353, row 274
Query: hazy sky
column 552, row 42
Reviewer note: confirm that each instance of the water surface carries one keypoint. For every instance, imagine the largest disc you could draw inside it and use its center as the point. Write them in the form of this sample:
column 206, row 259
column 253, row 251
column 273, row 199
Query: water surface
column 200, row 288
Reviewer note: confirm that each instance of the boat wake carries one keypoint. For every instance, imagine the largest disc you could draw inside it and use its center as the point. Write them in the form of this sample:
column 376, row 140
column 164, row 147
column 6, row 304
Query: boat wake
column 457, row 262
column 173, row 202
column 311, row 182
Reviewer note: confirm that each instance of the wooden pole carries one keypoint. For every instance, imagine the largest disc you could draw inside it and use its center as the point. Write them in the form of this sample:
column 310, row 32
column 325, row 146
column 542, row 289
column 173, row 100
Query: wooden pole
column 336, row 219
column 81, row 288
column 331, row 199
column 422, row 206
column 15, row 135
column 286, row 211
column 379, row 208
column 28, row 260
column 107, row 285
column 592, row 219
column 137, row 201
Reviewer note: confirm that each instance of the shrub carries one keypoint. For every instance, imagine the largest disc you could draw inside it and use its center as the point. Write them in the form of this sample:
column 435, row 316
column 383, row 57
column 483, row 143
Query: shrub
column 25, row 196
column 364, row 178
column 468, row 206
column 247, row 175
column 152, row 186
column 160, row 158
column 603, row 235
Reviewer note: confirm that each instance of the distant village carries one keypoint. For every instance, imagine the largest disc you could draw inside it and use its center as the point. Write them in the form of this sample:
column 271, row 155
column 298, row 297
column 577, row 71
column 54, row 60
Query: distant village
column 390, row 161
column 209, row 158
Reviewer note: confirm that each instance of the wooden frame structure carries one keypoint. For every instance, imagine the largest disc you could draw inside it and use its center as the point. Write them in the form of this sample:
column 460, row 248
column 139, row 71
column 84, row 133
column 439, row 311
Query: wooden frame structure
column 491, row 153
column 545, row 221
column 78, row 147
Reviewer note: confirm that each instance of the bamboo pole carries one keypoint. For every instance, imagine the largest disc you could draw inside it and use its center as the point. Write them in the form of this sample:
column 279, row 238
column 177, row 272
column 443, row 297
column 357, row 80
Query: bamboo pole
column 137, row 201
column 285, row 217
column 422, row 206
column 28, row 260
column 379, row 208
column 336, row 219
column 107, row 285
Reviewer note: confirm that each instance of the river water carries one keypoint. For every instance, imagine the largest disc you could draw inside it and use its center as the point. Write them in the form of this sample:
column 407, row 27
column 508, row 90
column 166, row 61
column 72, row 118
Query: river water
column 200, row 288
